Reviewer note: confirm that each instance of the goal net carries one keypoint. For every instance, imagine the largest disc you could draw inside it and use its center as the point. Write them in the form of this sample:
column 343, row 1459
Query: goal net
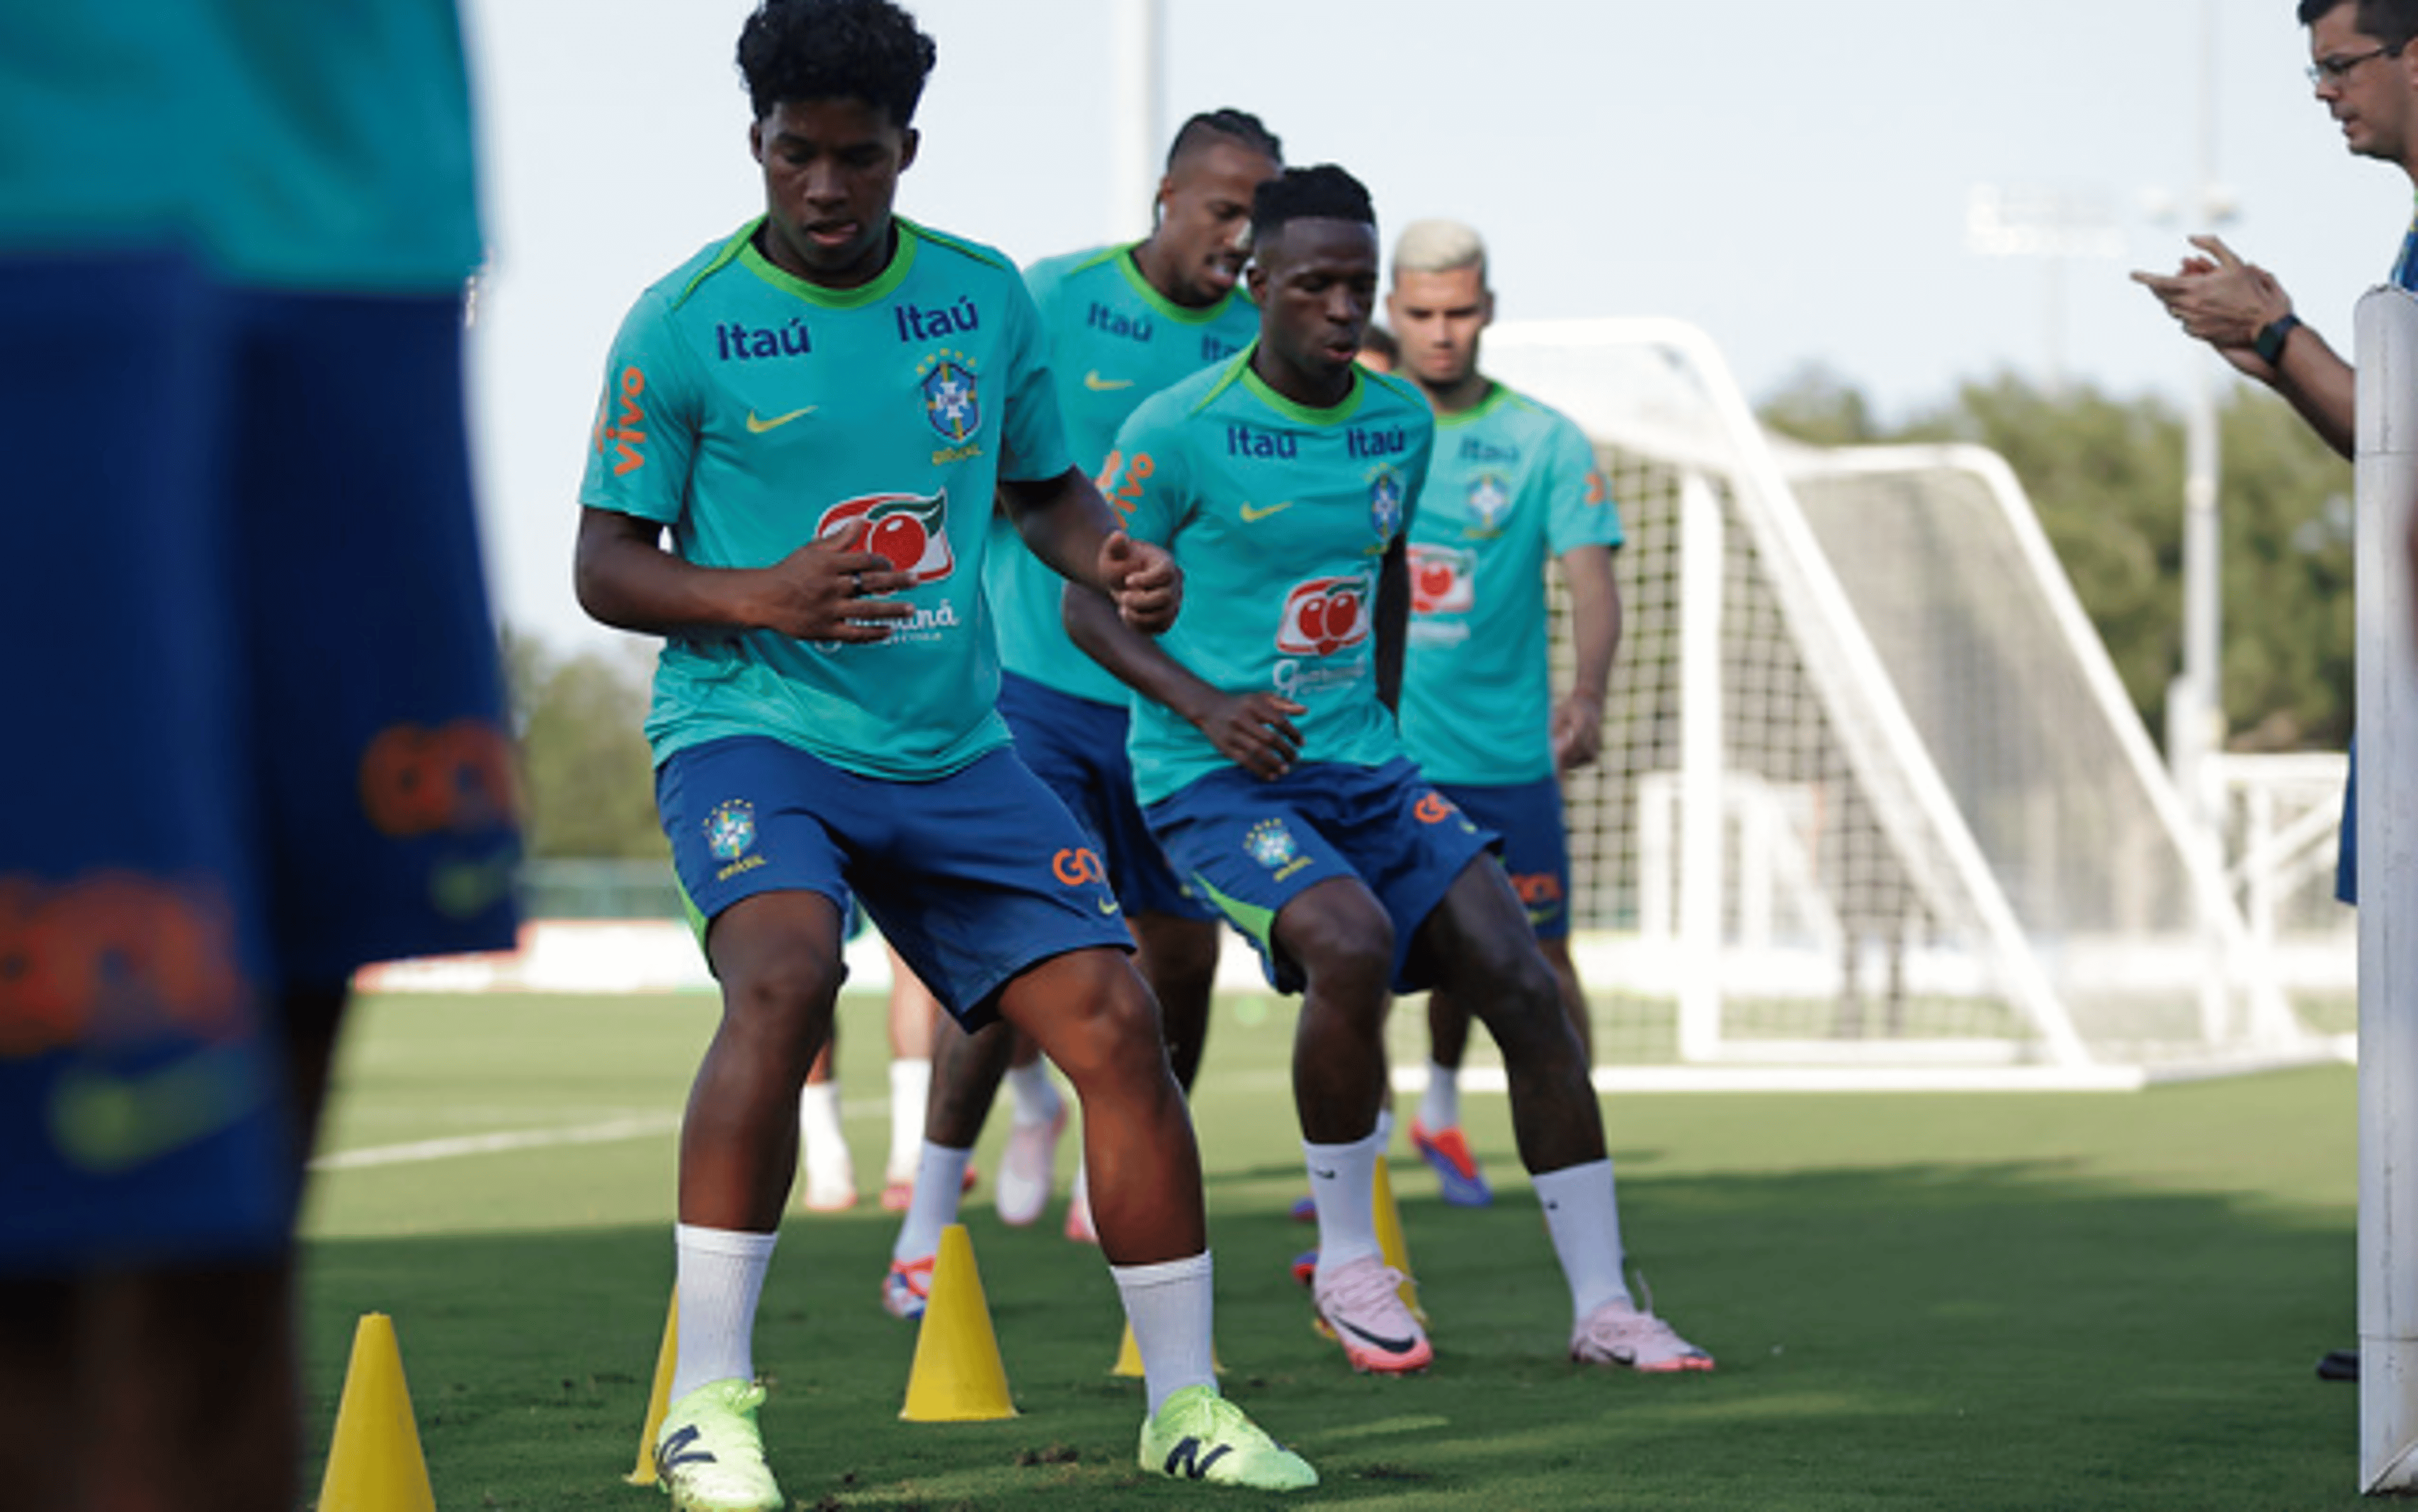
column 1872, row 809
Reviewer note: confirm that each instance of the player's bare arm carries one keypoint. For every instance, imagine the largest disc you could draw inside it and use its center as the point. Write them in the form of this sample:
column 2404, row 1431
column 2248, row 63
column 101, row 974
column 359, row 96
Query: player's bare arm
column 1070, row 526
column 828, row 590
column 1254, row 731
column 1392, row 618
column 2219, row 298
column 1595, row 636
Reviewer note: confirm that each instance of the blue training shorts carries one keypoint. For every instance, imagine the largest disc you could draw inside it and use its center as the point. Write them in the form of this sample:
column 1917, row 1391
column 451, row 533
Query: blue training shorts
column 1078, row 747
column 1536, row 844
column 1252, row 847
column 974, row 877
column 259, row 736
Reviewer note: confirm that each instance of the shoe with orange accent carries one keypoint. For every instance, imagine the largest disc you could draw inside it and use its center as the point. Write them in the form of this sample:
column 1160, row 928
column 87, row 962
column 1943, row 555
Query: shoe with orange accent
column 1446, row 1151
column 907, row 1288
column 1025, row 1171
column 898, row 1192
column 1618, row 1333
column 1361, row 1300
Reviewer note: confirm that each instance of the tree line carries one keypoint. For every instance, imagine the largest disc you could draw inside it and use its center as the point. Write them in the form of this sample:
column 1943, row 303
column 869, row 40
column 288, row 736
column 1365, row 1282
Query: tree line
column 2105, row 473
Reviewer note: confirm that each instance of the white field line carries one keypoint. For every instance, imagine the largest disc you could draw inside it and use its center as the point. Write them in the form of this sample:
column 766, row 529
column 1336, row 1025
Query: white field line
column 490, row 1144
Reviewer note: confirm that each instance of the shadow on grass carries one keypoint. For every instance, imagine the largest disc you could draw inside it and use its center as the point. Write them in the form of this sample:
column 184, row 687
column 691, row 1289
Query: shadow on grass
column 1998, row 1336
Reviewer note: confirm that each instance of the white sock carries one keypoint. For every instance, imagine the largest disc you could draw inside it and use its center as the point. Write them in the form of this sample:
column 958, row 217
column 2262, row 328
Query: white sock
column 1169, row 1306
column 1583, row 1217
column 823, row 1145
column 1034, row 1095
column 1343, row 1183
column 939, row 1181
column 721, row 1276
column 1440, row 1108
column 911, row 1089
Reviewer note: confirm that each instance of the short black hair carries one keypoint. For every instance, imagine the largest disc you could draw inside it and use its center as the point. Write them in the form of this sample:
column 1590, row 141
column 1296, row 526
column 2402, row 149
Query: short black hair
column 1237, row 126
column 2394, row 23
column 1379, row 340
column 867, row 50
column 1324, row 192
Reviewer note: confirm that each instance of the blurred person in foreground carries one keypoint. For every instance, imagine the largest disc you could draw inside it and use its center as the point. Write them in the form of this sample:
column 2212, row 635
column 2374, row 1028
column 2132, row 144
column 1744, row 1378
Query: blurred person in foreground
column 262, row 744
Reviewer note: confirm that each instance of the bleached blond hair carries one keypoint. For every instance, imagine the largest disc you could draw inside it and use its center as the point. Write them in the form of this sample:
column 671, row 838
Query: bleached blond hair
column 1437, row 246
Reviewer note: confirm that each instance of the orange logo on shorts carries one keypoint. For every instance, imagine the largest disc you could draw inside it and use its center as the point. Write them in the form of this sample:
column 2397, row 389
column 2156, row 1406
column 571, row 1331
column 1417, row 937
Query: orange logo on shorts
column 1536, row 888
column 419, row 781
column 114, row 956
column 1432, row 808
column 1077, row 867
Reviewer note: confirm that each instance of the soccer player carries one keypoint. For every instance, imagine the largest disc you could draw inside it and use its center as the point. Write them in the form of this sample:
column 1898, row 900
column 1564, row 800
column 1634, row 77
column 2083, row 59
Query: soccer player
column 1123, row 323
column 1513, row 483
column 257, row 734
column 819, row 408
column 1269, row 765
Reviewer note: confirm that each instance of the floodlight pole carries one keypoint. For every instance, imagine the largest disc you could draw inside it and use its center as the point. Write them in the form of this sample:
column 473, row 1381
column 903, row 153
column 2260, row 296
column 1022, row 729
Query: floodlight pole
column 2387, row 481
column 2195, row 704
column 1137, row 65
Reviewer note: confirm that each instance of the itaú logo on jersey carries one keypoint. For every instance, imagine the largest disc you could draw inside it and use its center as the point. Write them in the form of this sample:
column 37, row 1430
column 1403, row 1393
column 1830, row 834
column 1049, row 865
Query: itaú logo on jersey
column 1324, row 616
column 1439, row 580
column 910, row 530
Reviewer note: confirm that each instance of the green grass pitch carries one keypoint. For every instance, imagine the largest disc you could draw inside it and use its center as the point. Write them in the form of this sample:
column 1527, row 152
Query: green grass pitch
column 2014, row 1301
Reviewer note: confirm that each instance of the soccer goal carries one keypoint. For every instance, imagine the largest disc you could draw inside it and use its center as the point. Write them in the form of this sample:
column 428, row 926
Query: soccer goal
column 1874, row 810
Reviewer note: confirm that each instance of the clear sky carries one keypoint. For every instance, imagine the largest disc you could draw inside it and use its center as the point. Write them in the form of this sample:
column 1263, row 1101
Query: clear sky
column 1793, row 176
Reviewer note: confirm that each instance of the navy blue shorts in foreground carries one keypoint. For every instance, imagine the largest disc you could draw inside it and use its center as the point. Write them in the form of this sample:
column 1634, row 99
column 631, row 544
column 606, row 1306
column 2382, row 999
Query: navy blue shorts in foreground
column 259, row 736
column 974, row 877
column 1077, row 746
column 1252, row 847
column 1536, row 844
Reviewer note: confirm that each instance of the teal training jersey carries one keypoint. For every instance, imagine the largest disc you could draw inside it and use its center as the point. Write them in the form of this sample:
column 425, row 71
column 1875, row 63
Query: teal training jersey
column 1280, row 516
column 1513, row 483
column 1114, row 341
column 298, row 145
column 752, row 412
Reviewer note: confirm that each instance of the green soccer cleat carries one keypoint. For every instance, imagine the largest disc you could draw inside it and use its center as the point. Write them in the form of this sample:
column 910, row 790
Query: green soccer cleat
column 708, row 1455
column 1199, row 1435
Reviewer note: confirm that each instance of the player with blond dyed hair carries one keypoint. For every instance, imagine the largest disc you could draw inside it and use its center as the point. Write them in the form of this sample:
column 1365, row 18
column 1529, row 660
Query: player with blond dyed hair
column 1514, row 484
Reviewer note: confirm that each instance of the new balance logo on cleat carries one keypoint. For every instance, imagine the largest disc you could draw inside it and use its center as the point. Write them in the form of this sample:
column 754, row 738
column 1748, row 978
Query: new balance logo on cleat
column 1187, row 1459
column 675, row 1451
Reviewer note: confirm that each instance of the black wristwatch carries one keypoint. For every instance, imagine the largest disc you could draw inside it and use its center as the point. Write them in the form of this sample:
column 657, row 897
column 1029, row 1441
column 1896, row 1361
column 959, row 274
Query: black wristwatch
column 2269, row 342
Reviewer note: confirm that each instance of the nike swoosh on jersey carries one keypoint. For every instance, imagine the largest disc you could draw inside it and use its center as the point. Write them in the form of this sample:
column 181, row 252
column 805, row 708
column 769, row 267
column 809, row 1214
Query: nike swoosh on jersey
column 1099, row 385
column 758, row 425
column 112, row 1122
column 1254, row 513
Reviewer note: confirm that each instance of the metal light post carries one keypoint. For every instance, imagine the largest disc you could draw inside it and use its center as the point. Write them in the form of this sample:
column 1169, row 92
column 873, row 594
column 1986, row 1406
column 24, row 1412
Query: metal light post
column 1139, row 32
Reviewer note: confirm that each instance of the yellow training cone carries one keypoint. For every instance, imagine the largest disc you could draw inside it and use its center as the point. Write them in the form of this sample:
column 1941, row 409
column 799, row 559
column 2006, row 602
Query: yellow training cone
column 658, row 1398
column 1128, row 1358
column 1391, row 1246
column 957, row 1377
column 375, row 1463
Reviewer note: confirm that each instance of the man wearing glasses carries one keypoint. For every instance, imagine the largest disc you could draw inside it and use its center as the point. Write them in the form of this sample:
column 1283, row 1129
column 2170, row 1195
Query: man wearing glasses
column 2367, row 74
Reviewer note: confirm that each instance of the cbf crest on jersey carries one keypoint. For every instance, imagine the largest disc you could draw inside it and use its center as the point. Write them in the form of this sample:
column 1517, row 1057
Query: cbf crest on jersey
column 1385, row 503
column 1270, row 843
column 952, row 395
column 909, row 530
column 730, row 828
column 1488, row 498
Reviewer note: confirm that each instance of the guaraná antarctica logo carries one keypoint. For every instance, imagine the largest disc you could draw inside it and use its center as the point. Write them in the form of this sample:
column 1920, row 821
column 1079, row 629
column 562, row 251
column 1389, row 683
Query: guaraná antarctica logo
column 909, row 530
column 1441, row 579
